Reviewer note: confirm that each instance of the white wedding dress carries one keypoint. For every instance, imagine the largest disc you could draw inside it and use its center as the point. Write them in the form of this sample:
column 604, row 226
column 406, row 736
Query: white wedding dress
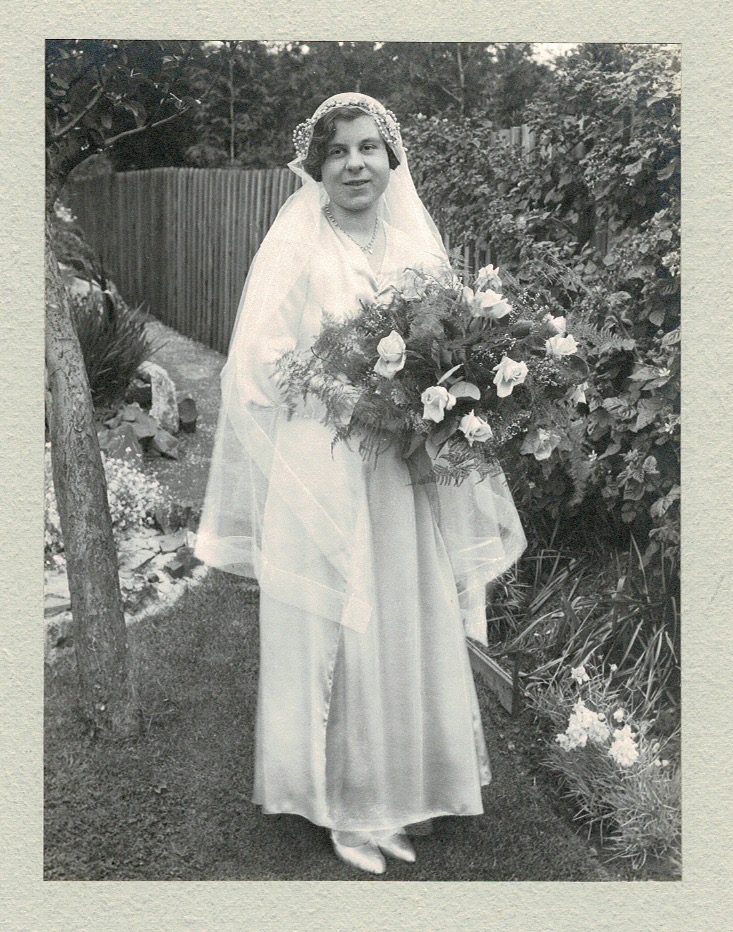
column 367, row 715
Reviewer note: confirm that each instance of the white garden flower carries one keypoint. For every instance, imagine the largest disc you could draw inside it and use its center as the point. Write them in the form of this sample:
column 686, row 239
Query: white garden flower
column 556, row 324
column 540, row 443
column 584, row 724
column 488, row 276
column 486, row 303
column 623, row 747
column 619, row 715
column 579, row 674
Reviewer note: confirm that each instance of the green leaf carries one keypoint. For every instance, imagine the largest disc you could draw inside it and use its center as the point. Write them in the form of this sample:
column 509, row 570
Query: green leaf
column 466, row 390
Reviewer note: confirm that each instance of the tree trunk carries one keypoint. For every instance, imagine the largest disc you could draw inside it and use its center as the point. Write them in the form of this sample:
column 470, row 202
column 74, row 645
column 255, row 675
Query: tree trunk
column 99, row 633
column 461, row 80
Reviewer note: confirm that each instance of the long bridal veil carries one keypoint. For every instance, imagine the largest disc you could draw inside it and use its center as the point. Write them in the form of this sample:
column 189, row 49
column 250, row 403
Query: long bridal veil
column 259, row 492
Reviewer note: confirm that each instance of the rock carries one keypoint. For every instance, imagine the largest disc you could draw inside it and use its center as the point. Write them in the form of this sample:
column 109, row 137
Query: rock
column 170, row 542
column 177, row 569
column 164, row 445
column 54, row 607
column 138, row 558
column 183, row 564
column 187, row 414
column 120, row 442
column 164, row 407
column 78, row 287
column 140, row 392
column 142, row 423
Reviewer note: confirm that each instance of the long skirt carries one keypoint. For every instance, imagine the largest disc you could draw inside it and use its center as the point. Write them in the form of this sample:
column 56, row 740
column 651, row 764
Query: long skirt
column 376, row 729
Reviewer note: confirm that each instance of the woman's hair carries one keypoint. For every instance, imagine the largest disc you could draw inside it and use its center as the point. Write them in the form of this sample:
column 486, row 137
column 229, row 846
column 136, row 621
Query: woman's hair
column 323, row 133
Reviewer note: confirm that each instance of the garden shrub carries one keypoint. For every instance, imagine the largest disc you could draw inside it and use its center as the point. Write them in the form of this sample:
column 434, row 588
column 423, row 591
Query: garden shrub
column 592, row 213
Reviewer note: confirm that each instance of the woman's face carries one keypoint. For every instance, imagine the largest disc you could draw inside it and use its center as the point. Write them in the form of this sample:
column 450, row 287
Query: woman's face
column 356, row 168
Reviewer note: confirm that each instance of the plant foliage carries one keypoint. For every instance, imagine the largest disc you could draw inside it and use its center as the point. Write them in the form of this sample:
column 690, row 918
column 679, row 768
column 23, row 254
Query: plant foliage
column 592, row 208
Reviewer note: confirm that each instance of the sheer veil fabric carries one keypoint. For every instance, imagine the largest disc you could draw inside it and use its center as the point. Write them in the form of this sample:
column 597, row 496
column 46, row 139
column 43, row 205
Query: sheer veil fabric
column 367, row 715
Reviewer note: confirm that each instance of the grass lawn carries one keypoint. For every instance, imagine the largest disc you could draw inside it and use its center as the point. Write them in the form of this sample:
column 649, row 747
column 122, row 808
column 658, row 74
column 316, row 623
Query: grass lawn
column 175, row 803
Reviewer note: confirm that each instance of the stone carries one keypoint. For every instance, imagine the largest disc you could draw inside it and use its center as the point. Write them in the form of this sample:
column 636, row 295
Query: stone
column 136, row 559
column 164, row 444
column 140, row 392
column 187, row 414
column 170, row 542
column 120, row 443
column 164, row 406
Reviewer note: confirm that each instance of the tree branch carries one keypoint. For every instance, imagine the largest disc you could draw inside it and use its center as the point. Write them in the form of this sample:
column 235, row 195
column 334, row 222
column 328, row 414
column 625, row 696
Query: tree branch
column 143, row 128
column 62, row 131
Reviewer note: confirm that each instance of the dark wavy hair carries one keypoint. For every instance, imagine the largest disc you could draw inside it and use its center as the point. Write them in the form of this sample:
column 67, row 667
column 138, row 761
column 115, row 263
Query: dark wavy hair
column 323, row 133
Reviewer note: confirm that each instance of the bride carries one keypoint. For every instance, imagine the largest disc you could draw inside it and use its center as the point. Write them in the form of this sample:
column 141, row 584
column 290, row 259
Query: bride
column 367, row 717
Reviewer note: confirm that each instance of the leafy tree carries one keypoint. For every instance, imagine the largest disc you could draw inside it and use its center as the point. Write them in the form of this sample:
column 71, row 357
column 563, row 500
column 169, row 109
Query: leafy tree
column 98, row 93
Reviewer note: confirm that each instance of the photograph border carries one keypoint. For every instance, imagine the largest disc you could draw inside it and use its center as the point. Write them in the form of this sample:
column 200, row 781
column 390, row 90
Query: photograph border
column 702, row 899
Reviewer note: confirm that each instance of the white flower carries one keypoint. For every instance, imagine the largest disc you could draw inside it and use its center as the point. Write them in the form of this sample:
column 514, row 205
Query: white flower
column 540, row 443
column 556, row 324
column 437, row 400
column 475, row 428
column 413, row 285
column 486, row 304
column 577, row 396
column 392, row 354
column 579, row 674
column 623, row 747
column 509, row 373
column 613, row 666
column 558, row 346
column 665, row 763
column 583, row 724
column 619, row 715
column 488, row 275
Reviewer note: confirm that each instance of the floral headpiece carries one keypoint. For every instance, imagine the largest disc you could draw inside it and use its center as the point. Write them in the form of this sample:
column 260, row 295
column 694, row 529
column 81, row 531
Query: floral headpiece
column 386, row 121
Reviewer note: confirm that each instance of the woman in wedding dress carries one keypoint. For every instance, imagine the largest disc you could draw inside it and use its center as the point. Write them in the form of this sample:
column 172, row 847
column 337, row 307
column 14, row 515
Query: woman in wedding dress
column 367, row 718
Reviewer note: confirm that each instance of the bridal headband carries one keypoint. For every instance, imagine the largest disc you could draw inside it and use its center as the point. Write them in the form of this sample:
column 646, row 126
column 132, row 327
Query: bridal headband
column 386, row 121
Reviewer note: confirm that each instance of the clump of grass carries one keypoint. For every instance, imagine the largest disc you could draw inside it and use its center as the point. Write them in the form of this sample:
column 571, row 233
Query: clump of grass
column 622, row 777
column 113, row 343
column 565, row 610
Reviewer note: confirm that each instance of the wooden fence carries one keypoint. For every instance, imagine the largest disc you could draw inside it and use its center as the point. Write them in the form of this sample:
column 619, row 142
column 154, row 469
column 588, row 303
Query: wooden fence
column 179, row 241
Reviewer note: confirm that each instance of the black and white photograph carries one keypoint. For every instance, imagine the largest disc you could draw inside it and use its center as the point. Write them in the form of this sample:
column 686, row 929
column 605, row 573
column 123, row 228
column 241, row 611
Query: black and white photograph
column 362, row 461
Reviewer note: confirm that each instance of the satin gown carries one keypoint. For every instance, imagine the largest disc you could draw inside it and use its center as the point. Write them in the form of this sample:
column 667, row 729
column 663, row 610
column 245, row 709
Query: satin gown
column 373, row 724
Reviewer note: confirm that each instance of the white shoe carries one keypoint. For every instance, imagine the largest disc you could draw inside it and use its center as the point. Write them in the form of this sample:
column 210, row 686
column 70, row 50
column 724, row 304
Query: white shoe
column 396, row 846
column 364, row 857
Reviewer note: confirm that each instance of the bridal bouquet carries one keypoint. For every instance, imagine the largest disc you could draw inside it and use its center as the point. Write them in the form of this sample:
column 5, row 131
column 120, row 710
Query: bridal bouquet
column 465, row 373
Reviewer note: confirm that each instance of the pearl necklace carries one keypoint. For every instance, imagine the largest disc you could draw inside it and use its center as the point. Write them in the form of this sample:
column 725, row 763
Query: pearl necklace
column 369, row 246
